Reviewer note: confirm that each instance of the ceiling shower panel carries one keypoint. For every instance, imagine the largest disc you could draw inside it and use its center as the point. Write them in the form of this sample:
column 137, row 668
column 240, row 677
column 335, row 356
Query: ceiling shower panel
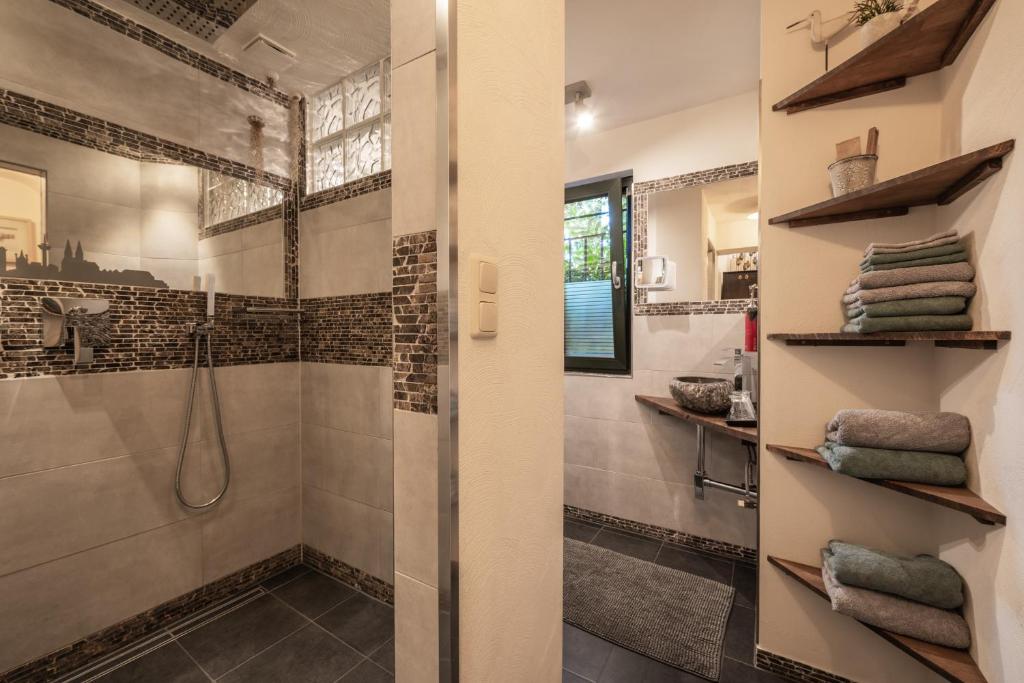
column 205, row 19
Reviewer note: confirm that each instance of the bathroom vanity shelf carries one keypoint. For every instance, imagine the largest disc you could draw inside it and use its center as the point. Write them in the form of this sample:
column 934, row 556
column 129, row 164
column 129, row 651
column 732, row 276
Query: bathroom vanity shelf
column 954, row 497
column 667, row 406
column 940, row 184
column 928, row 41
column 953, row 665
column 973, row 339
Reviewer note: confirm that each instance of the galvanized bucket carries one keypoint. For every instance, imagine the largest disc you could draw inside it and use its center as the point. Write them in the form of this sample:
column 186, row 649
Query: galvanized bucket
column 852, row 174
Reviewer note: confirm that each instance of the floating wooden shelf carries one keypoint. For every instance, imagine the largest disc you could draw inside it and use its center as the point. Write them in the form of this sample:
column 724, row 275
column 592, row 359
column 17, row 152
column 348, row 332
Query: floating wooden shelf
column 953, row 665
column 979, row 339
column 668, row 406
column 954, row 497
column 928, row 41
column 940, row 184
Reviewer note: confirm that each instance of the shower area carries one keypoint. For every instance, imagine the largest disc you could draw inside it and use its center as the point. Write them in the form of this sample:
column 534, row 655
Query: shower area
column 198, row 362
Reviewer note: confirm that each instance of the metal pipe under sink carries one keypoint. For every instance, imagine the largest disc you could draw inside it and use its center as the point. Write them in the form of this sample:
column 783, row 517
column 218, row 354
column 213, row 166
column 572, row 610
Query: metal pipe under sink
column 747, row 491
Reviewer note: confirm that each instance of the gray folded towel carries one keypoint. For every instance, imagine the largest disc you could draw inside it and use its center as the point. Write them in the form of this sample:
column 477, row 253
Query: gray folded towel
column 907, row 618
column 949, row 272
column 947, row 237
column 936, row 305
column 902, row 257
column 900, row 430
column 910, row 323
column 924, row 578
column 917, row 291
column 939, row 469
column 955, row 257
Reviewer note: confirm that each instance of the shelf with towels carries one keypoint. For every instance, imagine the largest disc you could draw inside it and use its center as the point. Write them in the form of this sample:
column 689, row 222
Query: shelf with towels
column 953, row 665
column 954, row 497
column 929, row 41
column 941, row 184
column 973, row 339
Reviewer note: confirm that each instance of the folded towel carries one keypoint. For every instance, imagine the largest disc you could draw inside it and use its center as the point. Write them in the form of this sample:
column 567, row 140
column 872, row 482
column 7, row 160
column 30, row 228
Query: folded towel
column 956, row 257
column 940, row 469
column 950, row 272
column 910, row 323
column 936, row 305
column 929, row 252
column 930, row 624
column 900, row 430
column 917, row 291
column 923, row 578
column 934, row 240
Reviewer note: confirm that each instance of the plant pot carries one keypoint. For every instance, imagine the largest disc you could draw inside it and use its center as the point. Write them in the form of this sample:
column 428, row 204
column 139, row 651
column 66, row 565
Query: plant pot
column 879, row 26
column 852, row 174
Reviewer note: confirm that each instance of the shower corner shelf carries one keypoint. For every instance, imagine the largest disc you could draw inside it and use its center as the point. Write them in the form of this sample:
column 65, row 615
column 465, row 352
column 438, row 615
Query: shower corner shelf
column 942, row 183
column 953, row 665
column 972, row 339
column 928, row 41
column 954, row 497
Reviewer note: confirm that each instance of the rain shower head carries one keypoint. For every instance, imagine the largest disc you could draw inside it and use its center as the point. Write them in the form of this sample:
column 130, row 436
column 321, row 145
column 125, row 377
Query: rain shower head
column 206, row 19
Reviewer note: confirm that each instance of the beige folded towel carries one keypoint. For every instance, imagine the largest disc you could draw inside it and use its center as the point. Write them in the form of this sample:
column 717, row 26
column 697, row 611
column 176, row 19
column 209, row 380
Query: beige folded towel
column 948, row 237
column 921, row 290
column 900, row 430
column 946, row 272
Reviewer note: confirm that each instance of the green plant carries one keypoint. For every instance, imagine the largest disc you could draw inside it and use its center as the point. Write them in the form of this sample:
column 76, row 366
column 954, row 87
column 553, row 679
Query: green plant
column 866, row 10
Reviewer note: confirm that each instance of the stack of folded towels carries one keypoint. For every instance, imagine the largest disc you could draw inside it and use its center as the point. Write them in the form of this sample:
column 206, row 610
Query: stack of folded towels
column 925, row 448
column 911, row 287
column 911, row 596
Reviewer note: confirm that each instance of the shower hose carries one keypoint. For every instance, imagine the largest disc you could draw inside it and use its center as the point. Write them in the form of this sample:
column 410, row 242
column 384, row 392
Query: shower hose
column 200, row 332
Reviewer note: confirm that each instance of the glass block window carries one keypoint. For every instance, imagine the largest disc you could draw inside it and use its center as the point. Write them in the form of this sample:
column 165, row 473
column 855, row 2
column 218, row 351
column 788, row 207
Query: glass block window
column 226, row 197
column 349, row 128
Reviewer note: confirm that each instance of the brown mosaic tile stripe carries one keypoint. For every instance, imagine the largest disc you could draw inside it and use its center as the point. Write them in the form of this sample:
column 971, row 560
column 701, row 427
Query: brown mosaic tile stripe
column 176, row 51
column 291, row 245
column 109, row 640
column 660, row 533
column 347, row 574
column 61, row 123
column 353, row 329
column 246, row 221
column 371, row 183
column 793, row 670
column 148, row 331
column 643, row 189
column 415, row 304
column 722, row 307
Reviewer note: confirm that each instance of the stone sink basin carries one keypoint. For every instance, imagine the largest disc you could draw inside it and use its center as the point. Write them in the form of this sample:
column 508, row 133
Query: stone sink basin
column 708, row 395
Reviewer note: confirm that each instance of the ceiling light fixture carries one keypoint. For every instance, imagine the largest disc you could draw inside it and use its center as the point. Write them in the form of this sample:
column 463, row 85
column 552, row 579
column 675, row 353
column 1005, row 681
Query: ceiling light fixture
column 583, row 115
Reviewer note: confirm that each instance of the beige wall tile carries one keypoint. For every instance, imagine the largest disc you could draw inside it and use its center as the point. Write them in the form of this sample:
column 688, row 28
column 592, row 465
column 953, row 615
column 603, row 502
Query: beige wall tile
column 609, row 398
column 262, row 271
column 416, row 495
column 351, row 531
column 412, row 29
column 347, row 464
column 51, row 605
column 226, row 269
column 219, row 245
column 416, row 631
column 169, row 187
column 353, row 398
column 254, row 397
column 177, row 273
column 413, row 139
column 263, row 462
column 243, row 531
column 350, row 260
column 169, row 234
column 366, row 208
column 262, row 234
column 100, row 227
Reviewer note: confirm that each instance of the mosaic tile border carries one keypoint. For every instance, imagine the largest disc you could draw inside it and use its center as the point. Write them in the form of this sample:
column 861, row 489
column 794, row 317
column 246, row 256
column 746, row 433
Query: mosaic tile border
column 113, row 638
column 414, row 293
column 660, row 533
column 644, row 189
column 150, row 38
column 792, row 670
column 61, row 123
column 720, row 307
column 353, row 329
column 371, row 183
column 290, row 209
column 148, row 329
column 242, row 222
column 348, row 575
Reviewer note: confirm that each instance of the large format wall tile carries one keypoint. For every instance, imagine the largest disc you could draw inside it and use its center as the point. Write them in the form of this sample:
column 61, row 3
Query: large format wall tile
column 416, row 495
column 353, row 398
column 413, row 153
column 351, row 531
column 356, row 466
column 48, row 606
column 412, row 29
column 262, row 462
column 416, row 631
column 240, row 532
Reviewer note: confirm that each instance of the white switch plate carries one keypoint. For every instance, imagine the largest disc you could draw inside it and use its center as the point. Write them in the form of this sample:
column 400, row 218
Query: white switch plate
column 484, row 297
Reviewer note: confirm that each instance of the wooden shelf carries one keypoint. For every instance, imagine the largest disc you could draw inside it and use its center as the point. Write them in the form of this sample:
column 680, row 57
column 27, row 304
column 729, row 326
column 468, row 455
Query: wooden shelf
column 975, row 339
column 954, row 497
column 953, row 665
column 940, row 184
column 668, row 406
column 928, row 41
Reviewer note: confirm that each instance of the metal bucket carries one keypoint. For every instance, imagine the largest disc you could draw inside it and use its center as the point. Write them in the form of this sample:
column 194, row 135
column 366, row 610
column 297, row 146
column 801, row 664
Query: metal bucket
column 852, row 174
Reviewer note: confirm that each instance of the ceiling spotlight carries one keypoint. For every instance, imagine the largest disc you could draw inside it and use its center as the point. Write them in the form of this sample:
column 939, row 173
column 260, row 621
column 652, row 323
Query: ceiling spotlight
column 575, row 94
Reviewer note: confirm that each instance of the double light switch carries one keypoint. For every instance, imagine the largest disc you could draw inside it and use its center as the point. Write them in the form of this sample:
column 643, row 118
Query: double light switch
column 485, row 297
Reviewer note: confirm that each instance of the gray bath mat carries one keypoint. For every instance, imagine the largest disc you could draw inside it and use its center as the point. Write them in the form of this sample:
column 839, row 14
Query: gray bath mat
column 665, row 614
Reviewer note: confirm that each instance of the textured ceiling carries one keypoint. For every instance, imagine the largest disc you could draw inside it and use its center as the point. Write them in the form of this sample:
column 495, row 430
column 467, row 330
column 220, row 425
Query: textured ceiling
column 732, row 200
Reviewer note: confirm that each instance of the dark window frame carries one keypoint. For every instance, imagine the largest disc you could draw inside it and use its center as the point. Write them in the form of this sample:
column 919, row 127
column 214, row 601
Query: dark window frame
column 617, row 187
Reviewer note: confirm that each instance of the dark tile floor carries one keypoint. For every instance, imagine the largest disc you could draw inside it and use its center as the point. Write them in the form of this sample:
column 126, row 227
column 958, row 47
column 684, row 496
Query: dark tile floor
column 589, row 659
column 305, row 628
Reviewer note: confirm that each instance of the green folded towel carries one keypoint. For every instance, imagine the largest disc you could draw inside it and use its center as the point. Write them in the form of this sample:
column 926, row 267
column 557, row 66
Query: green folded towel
column 956, row 257
column 936, row 305
column 927, row 252
column 940, row 469
column 924, row 578
column 910, row 323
